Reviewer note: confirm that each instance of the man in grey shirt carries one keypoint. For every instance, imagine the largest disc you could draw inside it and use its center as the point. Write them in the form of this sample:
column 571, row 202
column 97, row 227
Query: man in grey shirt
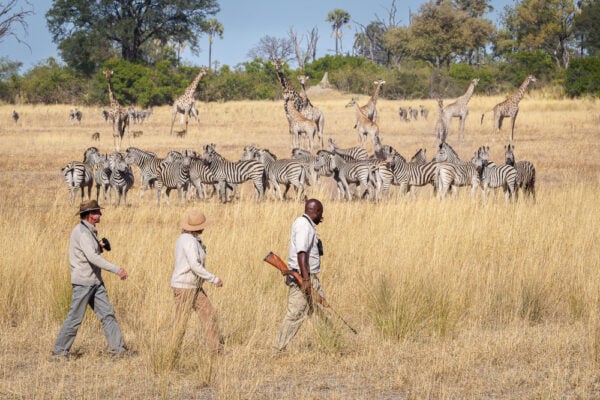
column 88, row 287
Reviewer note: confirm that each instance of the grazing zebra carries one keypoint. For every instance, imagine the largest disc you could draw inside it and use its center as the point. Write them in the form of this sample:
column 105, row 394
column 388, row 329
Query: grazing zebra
column 102, row 173
column 347, row 172
column 287, row 172
column 227, row 172
column 79, row 175
column 173, row 173
column 75, row 116
column 494, row 176
column 148, row 164
column 121, row 177
column 525, row 172
column 412, row 174
column 349, row 154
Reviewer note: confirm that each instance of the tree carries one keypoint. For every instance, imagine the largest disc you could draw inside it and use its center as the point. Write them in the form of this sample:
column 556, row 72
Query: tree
column 214, row 28
column 369, row 43
column 272, row 48
column 338, row 18
column 545, row 25
column 10, row 16
column 397, row 41
column 303, row 56
column 125, row 26
column 587, row 27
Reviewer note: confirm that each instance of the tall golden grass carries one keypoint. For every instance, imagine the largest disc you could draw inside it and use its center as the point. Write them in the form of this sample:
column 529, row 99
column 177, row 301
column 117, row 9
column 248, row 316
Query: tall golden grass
column 452, row 299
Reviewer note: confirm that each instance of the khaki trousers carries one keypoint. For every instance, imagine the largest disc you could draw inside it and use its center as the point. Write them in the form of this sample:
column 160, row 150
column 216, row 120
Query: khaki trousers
column 186, row 301
column 297, row 311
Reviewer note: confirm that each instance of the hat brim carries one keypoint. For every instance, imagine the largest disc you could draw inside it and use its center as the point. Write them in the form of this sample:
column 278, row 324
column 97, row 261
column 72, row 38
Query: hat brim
column 89, row 209
column 194, row 228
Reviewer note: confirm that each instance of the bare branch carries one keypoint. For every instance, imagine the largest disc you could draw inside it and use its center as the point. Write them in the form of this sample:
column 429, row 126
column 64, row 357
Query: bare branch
column 10, row 16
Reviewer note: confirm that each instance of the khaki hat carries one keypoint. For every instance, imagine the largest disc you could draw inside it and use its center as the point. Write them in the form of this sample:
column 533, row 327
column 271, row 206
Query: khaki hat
column 194, row 220
column 89, row 205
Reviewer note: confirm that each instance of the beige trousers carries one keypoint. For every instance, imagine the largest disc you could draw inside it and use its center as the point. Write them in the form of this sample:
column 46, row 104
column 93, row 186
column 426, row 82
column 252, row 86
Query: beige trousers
column 297, row 311
column 186, row 301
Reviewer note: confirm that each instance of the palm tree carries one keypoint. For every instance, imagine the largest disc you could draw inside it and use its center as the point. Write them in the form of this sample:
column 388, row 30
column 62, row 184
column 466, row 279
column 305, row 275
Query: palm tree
column 212, row 27
column 338, row 18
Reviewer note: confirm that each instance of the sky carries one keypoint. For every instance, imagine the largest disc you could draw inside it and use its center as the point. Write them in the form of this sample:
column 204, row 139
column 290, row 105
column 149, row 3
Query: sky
column 245, row 22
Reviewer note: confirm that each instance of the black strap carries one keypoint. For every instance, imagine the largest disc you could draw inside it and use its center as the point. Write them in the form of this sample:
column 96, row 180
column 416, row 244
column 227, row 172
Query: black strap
column 93, row 235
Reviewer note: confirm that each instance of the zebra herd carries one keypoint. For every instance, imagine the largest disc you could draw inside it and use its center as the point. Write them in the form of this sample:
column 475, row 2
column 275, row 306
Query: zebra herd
column 355, row 173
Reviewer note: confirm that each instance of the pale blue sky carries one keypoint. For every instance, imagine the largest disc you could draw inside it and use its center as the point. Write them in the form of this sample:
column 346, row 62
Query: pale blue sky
column 244, row 22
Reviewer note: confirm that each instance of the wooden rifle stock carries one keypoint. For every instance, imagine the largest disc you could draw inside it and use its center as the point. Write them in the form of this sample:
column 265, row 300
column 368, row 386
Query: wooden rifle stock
column 278, row 263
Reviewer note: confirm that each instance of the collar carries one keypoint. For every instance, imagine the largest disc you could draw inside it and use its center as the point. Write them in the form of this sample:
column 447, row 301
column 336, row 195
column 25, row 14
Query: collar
column 310, row 221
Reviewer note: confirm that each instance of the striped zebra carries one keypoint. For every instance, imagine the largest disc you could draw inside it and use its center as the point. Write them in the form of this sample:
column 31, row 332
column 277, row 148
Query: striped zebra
column 452, row 173
column 173, row 173
column 287, row 172
column 349, row 154
column 359, row 172
column 446, row 153
column 228, row 173
column 525, row 172
column 80, row 175
column 308, row 160
column 413, row 174
column 148, row 164
column 121, row 177
column 102, row 176
column 494, row 176
column 383, row 151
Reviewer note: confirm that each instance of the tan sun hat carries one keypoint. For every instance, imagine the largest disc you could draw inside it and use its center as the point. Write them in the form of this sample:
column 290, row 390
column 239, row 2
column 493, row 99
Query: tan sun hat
column 90, row 205
column 194, row 220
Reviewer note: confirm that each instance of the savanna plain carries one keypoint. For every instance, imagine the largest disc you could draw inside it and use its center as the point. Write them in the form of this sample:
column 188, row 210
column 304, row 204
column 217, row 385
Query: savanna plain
column 451, row 299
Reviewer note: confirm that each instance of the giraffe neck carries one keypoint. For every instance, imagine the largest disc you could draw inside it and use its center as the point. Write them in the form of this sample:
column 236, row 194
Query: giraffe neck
column 518, row 95
column 464, row 99
column 375, row 94
column 192, row 87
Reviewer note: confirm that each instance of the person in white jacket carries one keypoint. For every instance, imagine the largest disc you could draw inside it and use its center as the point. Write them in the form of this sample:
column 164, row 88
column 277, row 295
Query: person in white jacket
column 189, row 273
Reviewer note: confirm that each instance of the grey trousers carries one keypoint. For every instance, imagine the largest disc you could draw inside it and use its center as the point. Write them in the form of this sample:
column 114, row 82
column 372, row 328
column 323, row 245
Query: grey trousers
column 97, row 298
column 297, row 312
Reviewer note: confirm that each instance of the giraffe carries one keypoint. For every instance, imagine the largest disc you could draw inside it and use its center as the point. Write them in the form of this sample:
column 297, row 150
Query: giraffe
column 370, row 109
column 310, row 111
column 186, row 102
column 441, row 127
column 364, row 125
column 509, row 108
column 299, row 124
column 117, row 114
column 459, row 108
column 288, row 91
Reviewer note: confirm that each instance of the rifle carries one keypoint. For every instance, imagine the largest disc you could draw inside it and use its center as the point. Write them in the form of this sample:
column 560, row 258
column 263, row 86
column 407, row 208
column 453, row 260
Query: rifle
column 278, row 263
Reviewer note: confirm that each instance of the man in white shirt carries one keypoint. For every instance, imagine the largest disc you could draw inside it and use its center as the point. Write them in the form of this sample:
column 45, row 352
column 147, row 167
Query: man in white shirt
column 189, row 273
column 304, row 256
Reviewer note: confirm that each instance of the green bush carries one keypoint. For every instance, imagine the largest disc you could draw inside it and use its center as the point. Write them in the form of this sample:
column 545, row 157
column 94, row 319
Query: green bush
column 583, row 77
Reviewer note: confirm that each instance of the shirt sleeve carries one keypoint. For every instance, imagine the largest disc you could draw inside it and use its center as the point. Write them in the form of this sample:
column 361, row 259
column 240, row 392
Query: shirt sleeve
column 302, row 236
column 195, row 257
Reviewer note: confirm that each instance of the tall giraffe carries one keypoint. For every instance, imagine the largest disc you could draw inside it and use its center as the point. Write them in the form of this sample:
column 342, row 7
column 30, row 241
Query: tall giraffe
column 510, row 108
column 117, row 114
column 364, row 125
column 310, row 111
column 288, row 91
column 441, row 127
column 370, row 109
column 300, row 124
column 459, row 108
column 185, row 103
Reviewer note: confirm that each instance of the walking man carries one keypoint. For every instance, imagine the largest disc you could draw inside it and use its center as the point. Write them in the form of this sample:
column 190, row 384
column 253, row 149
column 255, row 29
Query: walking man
column 87, row 264
column 189, row 273
column 304, row 256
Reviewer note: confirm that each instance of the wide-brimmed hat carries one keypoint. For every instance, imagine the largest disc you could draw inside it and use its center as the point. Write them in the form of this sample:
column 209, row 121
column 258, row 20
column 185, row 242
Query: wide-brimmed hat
column 194, row 220
column 89, row 205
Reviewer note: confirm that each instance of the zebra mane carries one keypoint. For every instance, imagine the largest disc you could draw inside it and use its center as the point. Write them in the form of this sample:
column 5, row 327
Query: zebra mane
column 270, row 153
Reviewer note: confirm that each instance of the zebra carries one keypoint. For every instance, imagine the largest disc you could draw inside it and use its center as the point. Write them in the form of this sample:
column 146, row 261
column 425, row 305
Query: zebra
column 424, row 112
column 349, row 154
column 446, row 153
column 525, row 171
column 79, row 175
column 249, row 153
column 288, row 172
column 383, row 151
column 403, row 114
column 173, row 173
column 346, row 172
column 102, row 173
column 15, row 116
column 105, row 115
column 121, row 177
column 227, row 172
column 413, row 113
column 75, row 115
column 308, row 160
column 494, row 176
column 148, row 164
column 414, row 173
column 200, row 176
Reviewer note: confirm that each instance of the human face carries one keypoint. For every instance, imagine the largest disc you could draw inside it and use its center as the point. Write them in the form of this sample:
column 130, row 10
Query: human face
column 93, row 217
column 316, row 214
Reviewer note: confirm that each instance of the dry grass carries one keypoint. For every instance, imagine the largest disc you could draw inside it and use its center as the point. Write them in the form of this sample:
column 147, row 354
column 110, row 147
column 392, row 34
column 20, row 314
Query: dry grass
column 451, row 299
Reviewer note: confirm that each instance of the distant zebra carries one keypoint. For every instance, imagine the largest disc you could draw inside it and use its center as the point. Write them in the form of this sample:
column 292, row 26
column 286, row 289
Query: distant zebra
column 287, row 172
column 75, row 116
column 525, row 172
column 403, row 114
column 347, row 172
column 121, row 177
column 494, row 176
column 105, row 115
column 424, row 112
column 349, row 154
column 148, row 164
column 96, row 136
column 15, row 116
column 413, row 113
column 173, row 173
column 79, row 175
column 102, row 173
column 227, row 172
